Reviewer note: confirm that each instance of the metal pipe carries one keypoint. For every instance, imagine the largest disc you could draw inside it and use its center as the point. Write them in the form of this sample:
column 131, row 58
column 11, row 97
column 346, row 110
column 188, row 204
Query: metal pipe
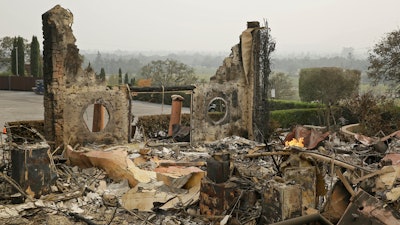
column 176, row 110
column 305, row 219
column 98, row 117
column 134, row 89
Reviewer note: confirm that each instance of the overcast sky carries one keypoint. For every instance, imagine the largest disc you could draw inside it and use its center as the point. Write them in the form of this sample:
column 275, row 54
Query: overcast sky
column 298, row 26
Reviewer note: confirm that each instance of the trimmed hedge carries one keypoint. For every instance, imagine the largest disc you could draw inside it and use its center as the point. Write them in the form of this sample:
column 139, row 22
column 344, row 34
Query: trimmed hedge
column 290, row 117
column 285, row 104
column 283, row 114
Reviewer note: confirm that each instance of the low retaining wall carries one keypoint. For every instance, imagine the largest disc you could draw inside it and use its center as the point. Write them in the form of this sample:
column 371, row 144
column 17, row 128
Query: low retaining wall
column 345, row 130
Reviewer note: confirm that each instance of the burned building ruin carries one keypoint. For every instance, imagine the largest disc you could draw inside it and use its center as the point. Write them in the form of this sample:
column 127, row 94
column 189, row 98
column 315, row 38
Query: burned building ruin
column 70, row 90
column 240, row 86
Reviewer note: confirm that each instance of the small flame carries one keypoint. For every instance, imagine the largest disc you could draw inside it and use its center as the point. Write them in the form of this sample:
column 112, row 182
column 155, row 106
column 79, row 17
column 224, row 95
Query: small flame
column 295, row 142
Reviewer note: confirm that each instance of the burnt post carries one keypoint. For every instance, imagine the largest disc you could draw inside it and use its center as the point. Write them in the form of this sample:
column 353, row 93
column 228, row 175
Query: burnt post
column 216, row 192
column 218, row 167
column 280, row 202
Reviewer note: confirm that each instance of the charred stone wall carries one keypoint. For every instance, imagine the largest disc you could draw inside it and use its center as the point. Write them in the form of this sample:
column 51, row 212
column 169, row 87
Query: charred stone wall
column 69, row 89
column 239, row 88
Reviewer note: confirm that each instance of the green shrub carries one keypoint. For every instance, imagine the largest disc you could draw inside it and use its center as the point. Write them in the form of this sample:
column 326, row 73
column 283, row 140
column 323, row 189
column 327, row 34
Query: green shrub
column 290, row 117
column 285, row 104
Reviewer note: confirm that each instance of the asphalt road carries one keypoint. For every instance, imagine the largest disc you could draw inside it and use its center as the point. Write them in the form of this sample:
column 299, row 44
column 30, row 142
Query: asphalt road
column 25, row 105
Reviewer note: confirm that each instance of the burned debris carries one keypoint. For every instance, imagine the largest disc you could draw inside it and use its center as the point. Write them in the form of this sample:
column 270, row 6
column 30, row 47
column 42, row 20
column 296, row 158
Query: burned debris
column 221, row 169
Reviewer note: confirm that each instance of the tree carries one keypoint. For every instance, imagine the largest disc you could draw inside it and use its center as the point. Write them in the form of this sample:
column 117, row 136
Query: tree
column 168, row 73
column 102, row 75
column 282, row 85
column 328, row 84
column 126, row 79
column 385, row 60
column 40, row 66
column 119, row 76
column 133, row 81
column 35, row 57
column 14, row 57
column 18, row 57
column 21, row 56
column 6, row 46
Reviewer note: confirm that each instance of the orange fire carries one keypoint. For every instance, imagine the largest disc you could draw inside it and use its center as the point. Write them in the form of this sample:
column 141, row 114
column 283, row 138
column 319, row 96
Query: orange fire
column 295, row 142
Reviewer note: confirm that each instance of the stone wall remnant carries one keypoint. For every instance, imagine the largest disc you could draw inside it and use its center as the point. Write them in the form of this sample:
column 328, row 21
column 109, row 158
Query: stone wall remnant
column 70, row 90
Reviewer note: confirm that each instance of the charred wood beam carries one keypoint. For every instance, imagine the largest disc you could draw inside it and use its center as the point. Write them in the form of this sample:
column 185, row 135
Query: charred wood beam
column 334, row 161
column 345, row 182
column 183, row 163
column 255, row 155
column 310, row 154
column 167, row 145
column 81, row 218
column 376, row 173
column 162, row 89
column 15, row 185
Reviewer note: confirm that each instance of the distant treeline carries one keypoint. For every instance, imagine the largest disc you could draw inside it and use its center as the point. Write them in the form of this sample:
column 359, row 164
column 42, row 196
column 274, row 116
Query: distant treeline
column 208, row 63
column 132, row 63
column 293, row 65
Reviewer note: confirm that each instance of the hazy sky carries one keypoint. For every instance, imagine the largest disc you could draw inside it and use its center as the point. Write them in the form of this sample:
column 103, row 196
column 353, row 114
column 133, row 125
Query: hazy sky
column 298, row 26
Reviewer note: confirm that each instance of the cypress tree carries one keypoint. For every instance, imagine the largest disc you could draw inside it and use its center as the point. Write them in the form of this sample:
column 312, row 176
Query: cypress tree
column 133, row 81
column 21, row 56
column 126, row 79
column 102, row 75
column 40, row 67
column 35, row 54
column 13, row 57
column 119, row 76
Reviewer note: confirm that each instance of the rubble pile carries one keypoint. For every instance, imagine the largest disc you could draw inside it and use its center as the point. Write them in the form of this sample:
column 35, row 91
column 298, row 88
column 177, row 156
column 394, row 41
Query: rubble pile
column 229, row 181
column 68, row 171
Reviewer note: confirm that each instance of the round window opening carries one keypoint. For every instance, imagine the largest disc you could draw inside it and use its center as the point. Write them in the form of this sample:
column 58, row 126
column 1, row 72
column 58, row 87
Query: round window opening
column 217, row 110
column 96, row 117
